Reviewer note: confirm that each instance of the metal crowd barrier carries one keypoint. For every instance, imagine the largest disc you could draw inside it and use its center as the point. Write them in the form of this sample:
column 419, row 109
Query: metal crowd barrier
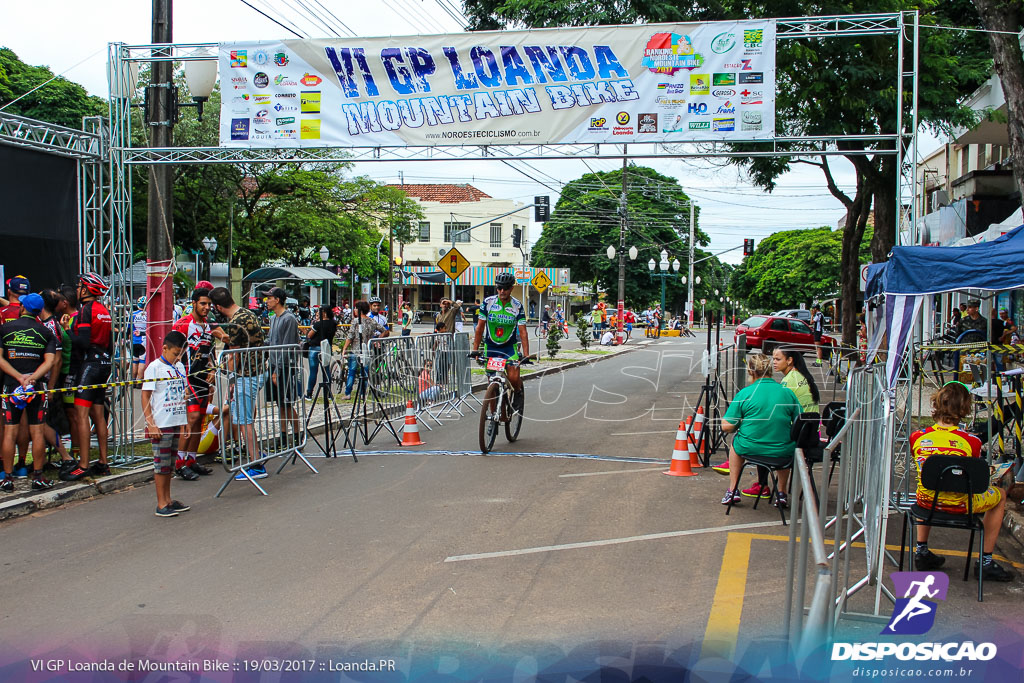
column 261, row 393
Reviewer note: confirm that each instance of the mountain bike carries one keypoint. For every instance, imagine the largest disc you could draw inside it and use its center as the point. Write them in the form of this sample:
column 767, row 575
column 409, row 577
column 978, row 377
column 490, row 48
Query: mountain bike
column 498, row 403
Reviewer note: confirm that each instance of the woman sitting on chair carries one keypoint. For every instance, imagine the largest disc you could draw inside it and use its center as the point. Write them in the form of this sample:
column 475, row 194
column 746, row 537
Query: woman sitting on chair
column 950, row 405
column 762, row 415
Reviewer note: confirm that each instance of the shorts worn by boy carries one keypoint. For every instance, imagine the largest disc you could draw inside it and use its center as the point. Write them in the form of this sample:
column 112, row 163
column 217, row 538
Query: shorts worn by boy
column 169, row 406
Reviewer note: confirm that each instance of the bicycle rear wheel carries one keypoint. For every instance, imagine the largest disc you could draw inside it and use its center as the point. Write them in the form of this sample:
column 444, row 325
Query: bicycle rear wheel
column 515, row 420
column 489, row 419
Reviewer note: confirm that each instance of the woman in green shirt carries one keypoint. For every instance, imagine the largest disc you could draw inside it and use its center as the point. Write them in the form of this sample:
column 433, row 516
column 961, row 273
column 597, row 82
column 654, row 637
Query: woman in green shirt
column 797, row 378
column 761, row 415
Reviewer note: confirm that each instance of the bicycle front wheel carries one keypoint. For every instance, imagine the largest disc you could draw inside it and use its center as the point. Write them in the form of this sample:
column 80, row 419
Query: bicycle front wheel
column 489, row 418
column 515, row 420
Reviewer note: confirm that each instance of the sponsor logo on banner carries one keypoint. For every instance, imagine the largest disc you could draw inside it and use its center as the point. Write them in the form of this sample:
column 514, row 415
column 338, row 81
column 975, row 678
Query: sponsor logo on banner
column 261, row 98
column 700, row 84
column 285, row 95
column 239, row 82
column 667, row 53
column 723, row 42
column 673, row 88
column 309, row 102
column 282, row 81
column 286, row 134
column 285, row 107
column 697, row 108
column 284, row 121
column 622, row 118
column 723, row 79
column 751, row 97
column 260, row 57
column 913, row 615
column 239, row 59
column 677, row 125
column 309, row 129
column 261, row 80
column 244, row 98
column 750, row 120
column 281, row 58
column 261, row 134
column 597, row 124
column 726, row 108
column 747, row 64
column 265, row 120
column 700, row 125
column 239, row 129
column 647, row 123
column 752, row 78
column 670, row 102
column 309, row 80
column 724, row 125
column 723, row 93
column 753, row 41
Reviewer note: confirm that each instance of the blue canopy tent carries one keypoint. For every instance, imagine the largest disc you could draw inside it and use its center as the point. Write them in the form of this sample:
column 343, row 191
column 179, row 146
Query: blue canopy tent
column 912, row 273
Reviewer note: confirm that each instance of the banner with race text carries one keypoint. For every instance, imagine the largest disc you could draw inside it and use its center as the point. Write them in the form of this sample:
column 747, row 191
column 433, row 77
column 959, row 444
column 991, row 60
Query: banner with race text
column 651, row 83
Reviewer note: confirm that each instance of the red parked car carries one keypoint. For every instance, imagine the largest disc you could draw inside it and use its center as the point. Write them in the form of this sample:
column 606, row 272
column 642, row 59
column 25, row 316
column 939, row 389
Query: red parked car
column 765, row 332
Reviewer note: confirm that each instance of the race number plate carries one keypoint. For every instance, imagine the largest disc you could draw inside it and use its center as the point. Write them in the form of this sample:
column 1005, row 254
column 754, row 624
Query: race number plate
column 496, row 364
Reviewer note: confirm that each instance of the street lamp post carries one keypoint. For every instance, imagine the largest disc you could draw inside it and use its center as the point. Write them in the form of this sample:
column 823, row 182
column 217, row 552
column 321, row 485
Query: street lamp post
column 663, row 267
column 622, row 273
column 210, row 244
column 325, row 254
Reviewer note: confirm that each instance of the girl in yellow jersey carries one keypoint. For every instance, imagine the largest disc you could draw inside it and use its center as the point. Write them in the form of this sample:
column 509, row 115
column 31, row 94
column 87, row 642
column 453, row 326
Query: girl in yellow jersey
column 950, row 405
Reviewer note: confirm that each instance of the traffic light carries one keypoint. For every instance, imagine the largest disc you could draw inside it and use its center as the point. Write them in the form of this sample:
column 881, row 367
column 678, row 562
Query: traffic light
column 517, row 237
column 748, row 247
column 541, row 209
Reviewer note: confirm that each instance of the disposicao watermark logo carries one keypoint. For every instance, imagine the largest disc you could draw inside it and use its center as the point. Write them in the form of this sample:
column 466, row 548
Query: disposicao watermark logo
column 914, row 615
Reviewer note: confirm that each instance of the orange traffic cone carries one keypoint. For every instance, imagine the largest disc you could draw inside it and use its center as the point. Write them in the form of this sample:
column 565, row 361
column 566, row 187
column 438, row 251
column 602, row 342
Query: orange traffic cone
column 411, row 432
column 681, row 455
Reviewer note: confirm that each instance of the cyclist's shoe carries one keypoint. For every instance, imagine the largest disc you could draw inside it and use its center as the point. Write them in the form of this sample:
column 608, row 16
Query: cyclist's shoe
column 199, row 469
column 186, row 473
column 7, row 484
column 40, row 483
column 518, row 401
column 99, row 468
column 74, row 474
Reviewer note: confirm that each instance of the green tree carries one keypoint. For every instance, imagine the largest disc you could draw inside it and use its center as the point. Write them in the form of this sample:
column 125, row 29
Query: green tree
column 60, row 101
column 789, row 268
column 585, row 222
column 826, row 86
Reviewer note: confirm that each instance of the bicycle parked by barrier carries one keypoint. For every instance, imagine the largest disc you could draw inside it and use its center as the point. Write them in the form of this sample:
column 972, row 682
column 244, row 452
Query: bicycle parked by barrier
column 497, row 404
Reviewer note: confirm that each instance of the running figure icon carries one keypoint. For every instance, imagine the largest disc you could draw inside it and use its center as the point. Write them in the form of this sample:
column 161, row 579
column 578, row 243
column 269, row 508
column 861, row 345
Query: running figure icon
column 914, row 613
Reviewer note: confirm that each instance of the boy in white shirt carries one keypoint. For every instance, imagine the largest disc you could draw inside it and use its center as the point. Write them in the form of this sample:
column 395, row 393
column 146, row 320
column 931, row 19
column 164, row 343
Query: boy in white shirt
column 165, row 407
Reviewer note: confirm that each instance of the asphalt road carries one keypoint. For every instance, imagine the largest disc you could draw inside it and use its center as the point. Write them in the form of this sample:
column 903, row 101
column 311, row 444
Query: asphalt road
column 414, row 554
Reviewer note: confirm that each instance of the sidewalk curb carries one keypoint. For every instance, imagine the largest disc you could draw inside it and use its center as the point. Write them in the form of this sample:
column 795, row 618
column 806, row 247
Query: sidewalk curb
column 46, row 500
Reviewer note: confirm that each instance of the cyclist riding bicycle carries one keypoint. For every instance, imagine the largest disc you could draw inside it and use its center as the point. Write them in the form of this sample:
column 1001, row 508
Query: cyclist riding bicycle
column 503, row 318
column 545, row 319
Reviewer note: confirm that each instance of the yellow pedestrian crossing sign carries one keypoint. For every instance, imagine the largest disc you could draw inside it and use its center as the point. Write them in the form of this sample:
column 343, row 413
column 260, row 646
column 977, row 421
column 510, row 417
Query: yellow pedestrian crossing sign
column 541, row 281
column 453, row 263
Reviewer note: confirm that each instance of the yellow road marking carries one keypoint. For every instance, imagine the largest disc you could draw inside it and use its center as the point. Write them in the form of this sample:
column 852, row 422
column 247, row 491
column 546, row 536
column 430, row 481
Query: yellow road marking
column 723, row 627
column 724, row 622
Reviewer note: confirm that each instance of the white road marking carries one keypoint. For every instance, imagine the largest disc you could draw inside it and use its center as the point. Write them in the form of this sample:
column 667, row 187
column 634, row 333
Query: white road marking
column 609, row 541
column 594, row 474
column 663, row 431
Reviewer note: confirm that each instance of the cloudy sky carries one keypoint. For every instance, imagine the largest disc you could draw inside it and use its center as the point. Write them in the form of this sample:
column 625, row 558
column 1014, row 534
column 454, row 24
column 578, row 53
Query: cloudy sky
column 73, row 37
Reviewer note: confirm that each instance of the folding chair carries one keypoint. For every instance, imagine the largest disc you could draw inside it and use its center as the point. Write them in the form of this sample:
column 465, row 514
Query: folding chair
column 950, row 474
column 772, row 465
column 805, row 433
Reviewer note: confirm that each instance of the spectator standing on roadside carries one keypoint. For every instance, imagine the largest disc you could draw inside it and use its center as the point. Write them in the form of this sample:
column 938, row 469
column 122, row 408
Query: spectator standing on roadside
column 363, row 329
column 27, row 350
column 284, row 376
column 92, row 345
column 407, row 318
column 818, row 329
column 246, row 370
column 995, row 328
column 196, row 360
column 56, row 422
column 379, row 316
column 973, row 320
column 446, row 316
column 476, row 312
column 163, row 404
column 323, row 329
